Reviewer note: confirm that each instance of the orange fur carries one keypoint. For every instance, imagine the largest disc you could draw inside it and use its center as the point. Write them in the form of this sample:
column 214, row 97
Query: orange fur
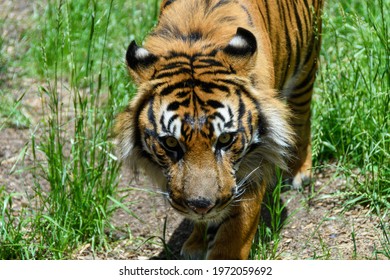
column 209, row 123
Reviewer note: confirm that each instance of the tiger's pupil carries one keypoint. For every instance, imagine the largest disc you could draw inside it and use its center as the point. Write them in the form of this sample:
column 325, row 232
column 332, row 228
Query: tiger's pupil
column 224, row 138
column 171, row 142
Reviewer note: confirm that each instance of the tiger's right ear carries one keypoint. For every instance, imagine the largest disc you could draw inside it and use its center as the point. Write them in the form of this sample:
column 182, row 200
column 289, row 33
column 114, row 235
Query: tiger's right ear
column 240, row 52
column 140, row 62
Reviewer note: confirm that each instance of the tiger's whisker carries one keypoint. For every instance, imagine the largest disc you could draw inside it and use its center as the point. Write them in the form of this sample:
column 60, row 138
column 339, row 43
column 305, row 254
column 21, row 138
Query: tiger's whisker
column 240, row 187
column 148, row 190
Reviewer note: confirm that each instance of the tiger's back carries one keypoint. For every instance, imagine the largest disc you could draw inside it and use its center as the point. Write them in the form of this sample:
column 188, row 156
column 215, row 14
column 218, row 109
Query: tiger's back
column 288, row 31
column 224, row 90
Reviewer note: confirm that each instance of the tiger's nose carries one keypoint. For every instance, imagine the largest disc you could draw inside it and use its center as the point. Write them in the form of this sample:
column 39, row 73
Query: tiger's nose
column 200, row 205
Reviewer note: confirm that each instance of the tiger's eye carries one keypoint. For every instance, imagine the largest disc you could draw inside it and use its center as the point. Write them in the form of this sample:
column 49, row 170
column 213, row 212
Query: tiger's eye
column 171, row 142
column 224, row 138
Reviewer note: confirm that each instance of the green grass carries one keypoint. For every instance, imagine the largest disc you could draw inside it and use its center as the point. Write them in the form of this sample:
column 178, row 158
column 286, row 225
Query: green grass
column 3, row 59
column 351, row 108
column 351, row 120
column 275, row 216
column 75, row 49
column 11, row 115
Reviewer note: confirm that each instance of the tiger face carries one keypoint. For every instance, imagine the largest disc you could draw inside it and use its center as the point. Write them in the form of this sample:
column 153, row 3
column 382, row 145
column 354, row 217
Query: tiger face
column 198, row 129
column 224, row 91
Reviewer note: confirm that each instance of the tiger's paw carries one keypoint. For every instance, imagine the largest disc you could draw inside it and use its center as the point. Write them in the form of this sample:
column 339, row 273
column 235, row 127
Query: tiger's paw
column 302, row 175
column 301, row 179
column 195, row 247
column 193, row 251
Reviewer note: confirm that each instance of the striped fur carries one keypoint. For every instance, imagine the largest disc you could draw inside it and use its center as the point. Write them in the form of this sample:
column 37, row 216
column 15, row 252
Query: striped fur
column 224, row 91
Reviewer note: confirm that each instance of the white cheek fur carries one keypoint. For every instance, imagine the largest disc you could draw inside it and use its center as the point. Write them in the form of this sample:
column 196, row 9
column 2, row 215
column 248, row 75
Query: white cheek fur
column 173, row 126
column 219, row 123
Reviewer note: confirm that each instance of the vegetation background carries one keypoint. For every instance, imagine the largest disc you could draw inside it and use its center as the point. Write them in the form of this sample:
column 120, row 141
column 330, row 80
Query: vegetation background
column 62, row 196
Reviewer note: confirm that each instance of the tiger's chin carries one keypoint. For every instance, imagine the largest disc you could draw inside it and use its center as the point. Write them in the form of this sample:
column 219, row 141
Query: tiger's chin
column 208, row 218
column 214, row 215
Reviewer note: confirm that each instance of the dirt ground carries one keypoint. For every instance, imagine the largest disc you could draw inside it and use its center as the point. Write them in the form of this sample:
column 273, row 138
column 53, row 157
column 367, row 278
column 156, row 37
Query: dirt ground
column 317, row 226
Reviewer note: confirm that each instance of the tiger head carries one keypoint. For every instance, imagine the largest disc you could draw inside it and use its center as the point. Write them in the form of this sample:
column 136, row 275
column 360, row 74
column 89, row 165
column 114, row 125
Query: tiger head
column 202, row 125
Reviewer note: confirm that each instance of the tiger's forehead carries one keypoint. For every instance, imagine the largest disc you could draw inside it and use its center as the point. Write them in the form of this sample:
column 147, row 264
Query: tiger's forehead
column 196, row 65
column 192, row 96
column 199, row 97
column 188, row 123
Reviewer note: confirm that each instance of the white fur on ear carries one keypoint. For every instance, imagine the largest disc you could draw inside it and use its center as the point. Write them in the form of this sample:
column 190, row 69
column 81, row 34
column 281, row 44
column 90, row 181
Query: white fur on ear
column 238, row 42
column 141, row 53
column 242, row 44
column 140, row 61
column 138, row 57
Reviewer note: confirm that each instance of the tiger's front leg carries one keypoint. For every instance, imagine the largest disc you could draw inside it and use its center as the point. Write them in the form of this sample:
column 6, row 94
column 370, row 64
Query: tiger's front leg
column 301, row 165
column 195, row 247
column 232, row 238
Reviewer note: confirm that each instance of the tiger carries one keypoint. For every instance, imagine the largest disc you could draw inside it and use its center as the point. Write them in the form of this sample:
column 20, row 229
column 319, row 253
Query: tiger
column 224, row 90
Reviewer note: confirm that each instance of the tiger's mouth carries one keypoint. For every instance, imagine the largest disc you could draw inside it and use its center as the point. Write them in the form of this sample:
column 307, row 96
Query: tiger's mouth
column 202, row 209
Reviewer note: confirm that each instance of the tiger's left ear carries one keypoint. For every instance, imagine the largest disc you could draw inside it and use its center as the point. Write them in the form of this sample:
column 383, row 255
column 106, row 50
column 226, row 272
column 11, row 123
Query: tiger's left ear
column 241, row 49
column 140, row 62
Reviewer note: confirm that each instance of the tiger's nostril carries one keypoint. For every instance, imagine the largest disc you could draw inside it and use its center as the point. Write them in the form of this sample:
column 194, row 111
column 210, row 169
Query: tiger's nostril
column 200, row 205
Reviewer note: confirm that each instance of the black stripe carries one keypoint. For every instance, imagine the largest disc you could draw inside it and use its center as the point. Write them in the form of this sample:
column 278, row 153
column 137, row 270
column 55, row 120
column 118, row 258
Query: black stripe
column 209, row 61
column 238, row 150
column 298, row 39
column 170, row 88
column 182, row 93
column 163, row 74
column 217, row 115
column 219, row 4
column 309, row 80
column 249, row 122
column 151, row 117
column 250, row 21
column 288, row 47
column 229, row 124
column 310, row 52
column 299, row 95
column 300, row 111
column 170, row 121
column 299, row 22
column 209, row 86
column 267, row 11
column 261, row 120
column 175, row 64
column 300, row 104
column 169, row 2
column 227, row 19
column 214, row 72
column 207, row 2
column 177, row 55
column 306, row 13
column 241, row 109
column 173, row 106
column 137, row 131
column 215, row 104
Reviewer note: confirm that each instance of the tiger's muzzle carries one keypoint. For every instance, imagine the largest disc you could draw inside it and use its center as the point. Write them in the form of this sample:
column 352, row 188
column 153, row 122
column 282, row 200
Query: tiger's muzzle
column 202, row 208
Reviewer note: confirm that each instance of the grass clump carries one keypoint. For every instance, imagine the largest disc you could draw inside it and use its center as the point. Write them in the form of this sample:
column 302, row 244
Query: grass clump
column 351, row 120
column 11, row 115
column 77, row 50
column 274, row 217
